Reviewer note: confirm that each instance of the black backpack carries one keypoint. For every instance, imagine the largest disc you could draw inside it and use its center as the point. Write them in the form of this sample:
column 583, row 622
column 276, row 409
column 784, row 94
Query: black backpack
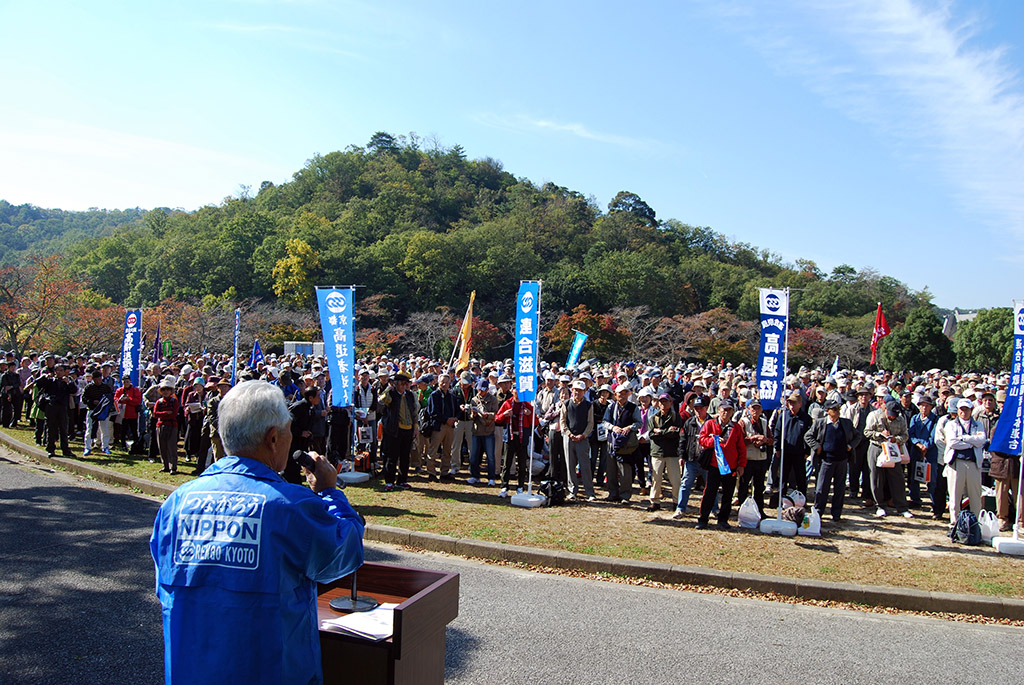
column 554, row 491
column 967, row 530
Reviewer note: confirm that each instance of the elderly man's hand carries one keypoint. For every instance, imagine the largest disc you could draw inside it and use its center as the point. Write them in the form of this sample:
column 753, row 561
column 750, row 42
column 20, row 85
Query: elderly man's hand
column 325, row 476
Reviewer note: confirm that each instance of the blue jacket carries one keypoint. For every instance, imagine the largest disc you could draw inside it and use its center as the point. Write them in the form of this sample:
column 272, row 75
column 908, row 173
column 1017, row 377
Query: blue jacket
column 922, row 432
column 238, row 553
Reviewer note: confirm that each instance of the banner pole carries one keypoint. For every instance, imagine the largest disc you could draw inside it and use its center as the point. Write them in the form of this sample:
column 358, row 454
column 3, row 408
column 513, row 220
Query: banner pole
column 458, row 338
column 783, row 409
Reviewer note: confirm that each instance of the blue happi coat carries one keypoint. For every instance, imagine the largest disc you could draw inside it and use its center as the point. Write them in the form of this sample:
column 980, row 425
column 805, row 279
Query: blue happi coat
column 238, row 553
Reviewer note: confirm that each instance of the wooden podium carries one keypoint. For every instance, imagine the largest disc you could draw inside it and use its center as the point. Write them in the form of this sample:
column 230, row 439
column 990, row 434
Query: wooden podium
column 427, row 602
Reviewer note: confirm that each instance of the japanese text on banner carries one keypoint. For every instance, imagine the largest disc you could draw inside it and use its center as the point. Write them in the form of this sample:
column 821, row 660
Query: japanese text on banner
column 339, row 348
column 771, row 358
column 131, row 344
column 526, row 348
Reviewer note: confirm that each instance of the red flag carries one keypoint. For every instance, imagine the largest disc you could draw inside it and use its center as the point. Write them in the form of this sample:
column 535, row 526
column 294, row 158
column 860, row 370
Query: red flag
column 881, row 330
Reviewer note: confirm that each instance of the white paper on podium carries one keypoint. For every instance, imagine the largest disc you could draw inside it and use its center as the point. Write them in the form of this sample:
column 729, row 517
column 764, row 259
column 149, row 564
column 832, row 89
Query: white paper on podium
column 377, row 624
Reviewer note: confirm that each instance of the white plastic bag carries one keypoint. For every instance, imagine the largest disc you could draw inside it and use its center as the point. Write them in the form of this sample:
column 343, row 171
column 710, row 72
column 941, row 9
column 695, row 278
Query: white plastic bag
column 749, row 516
column 889, row 456
column 989, row 525
column 811, row 526
column 794, row 498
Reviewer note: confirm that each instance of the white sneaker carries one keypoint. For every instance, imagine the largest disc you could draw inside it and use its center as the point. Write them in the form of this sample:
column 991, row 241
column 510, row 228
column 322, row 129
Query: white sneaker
column 591, row 499
column 880, row 513
column 908, row 515
column 503, row 493
column 678, row 515
column 491, row 483
column 519, row 491
column 472, row 481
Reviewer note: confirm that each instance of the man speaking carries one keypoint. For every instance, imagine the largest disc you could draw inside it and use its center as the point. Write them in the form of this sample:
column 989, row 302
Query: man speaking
column 239, row 551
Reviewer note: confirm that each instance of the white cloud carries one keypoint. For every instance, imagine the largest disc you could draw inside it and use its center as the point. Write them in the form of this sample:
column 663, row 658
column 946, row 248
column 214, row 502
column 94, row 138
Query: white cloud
column 917, row 76
column 525, row 124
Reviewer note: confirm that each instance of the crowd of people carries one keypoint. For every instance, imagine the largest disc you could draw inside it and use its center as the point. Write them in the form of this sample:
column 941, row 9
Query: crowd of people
column 890, row 442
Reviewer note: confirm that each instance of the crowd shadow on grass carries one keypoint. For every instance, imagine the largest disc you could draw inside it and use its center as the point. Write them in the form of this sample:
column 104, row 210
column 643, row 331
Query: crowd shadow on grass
column 392, row 512
column 488, row 497
column 818, row 546
column 980, row 550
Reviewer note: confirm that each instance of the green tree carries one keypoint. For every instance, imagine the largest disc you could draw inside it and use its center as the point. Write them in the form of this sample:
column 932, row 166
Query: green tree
column 986, row 342
column 918, row 344
column 625, row 201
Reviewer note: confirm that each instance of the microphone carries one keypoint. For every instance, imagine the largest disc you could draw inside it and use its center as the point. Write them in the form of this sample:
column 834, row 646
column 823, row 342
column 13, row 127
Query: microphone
column 304, row 459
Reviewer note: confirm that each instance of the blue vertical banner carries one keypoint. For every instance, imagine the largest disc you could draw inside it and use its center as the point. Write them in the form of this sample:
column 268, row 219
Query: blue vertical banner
column 577, row 347
column 771, row 358
column 339, row 344
column 527, row 325
column 257, row 355
column 131, row 345
column 234, row 361
column 1007, row 436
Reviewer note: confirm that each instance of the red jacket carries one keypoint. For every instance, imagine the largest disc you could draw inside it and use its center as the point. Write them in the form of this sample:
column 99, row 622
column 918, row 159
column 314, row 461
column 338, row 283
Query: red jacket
column 130, row 400
column 516, row 415
column 735, row 446
column 166, row 411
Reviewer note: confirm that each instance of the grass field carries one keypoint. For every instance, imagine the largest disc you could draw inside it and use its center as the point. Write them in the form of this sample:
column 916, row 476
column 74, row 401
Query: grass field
column 897, row 552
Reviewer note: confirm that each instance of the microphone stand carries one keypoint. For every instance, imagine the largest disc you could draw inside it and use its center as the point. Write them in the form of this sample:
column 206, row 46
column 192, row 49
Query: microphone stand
column 355, row 601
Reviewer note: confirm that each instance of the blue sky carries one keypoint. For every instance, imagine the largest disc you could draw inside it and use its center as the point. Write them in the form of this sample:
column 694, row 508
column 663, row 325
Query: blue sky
column 886, row 134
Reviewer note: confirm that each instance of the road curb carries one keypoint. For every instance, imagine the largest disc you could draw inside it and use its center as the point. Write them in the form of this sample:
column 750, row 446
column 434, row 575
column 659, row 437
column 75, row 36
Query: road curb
column 871, row 595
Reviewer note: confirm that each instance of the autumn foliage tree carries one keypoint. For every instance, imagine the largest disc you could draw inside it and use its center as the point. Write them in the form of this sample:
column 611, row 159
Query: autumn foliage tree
column 92, row 324
column 486, row 337
column 32, row 298
column 605, row 339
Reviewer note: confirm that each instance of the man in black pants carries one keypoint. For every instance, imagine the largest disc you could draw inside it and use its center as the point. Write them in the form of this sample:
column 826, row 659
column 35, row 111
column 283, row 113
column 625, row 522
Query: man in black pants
column 60, row 392
column 833, row 439
column 794, row 452
column 734, row 450
column 401, row 411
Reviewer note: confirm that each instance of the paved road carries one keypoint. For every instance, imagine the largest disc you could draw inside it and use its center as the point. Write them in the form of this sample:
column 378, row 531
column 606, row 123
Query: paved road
column 76, row 605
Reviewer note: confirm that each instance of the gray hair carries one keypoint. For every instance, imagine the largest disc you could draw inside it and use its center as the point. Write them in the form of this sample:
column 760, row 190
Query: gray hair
column 247, row 412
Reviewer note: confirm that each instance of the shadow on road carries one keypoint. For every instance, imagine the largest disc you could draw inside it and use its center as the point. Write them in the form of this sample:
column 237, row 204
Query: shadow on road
column 76, row 592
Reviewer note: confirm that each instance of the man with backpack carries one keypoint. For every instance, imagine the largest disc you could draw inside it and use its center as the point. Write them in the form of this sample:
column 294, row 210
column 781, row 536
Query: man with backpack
column 965, row 439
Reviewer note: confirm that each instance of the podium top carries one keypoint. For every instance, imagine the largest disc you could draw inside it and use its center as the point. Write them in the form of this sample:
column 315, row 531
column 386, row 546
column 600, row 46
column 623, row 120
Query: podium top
column 426, row 600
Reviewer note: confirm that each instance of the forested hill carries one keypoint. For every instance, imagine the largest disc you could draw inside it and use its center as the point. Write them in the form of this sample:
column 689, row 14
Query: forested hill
column 26, row 229
column 422, row 226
